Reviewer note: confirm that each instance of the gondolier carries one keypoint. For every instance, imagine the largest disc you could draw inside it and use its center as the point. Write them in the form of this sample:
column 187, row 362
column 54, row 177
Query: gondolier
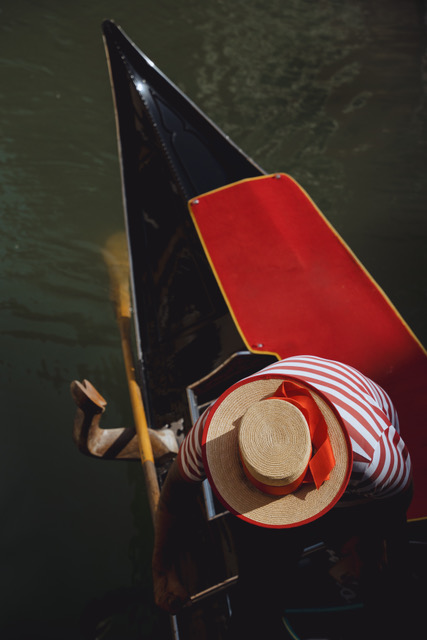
column 305, row 449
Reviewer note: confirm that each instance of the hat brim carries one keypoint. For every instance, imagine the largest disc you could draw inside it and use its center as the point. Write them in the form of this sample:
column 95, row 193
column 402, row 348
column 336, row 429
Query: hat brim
column 230, row 483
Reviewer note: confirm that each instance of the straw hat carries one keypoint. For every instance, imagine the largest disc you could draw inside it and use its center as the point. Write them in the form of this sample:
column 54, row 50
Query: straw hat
column 276, row 452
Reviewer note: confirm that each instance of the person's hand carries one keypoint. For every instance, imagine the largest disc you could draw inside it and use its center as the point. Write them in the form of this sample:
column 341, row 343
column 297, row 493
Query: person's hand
column 177, row 502
column 169, row 593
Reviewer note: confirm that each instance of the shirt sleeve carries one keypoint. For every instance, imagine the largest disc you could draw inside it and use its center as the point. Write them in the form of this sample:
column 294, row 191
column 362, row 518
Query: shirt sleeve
column 385, row 404
column 190, row 461
column 389, row 472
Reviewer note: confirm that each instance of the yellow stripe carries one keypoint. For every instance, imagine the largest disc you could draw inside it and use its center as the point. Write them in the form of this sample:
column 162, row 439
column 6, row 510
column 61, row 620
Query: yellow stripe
column 363, row 268
column 193, row 202
column 230, row 308
column 420, row 519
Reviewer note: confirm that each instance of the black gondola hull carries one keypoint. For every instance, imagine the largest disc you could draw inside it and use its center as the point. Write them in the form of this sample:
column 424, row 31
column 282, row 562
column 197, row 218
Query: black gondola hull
column 169, row 153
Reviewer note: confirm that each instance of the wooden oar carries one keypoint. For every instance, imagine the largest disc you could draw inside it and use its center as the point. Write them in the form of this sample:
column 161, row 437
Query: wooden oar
column 117, row 260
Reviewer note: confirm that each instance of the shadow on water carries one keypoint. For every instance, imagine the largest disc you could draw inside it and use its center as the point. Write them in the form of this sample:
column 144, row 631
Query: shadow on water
column 331, row 92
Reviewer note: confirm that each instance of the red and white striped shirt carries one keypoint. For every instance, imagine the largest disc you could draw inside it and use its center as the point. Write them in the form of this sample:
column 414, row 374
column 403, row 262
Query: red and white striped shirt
column 381, row 462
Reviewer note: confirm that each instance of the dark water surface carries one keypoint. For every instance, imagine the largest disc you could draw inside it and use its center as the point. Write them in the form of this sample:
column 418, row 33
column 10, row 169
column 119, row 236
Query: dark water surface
column 331, row 91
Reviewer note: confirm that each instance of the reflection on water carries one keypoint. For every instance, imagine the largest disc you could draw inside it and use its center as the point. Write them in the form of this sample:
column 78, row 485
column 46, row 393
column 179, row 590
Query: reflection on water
column 331, row 92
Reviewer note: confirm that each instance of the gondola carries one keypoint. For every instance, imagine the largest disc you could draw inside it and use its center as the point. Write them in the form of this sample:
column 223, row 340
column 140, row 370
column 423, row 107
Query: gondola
column 196, row 333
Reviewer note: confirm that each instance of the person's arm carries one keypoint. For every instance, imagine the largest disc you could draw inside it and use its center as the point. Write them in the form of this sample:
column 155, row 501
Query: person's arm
column 177, row 498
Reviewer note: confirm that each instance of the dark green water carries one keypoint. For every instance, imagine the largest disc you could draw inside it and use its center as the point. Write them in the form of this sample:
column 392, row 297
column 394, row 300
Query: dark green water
column 331, row 91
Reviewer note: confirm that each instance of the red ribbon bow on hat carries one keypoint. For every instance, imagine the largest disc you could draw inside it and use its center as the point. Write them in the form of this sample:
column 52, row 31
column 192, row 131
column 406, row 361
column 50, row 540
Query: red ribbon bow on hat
column 322, row 460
